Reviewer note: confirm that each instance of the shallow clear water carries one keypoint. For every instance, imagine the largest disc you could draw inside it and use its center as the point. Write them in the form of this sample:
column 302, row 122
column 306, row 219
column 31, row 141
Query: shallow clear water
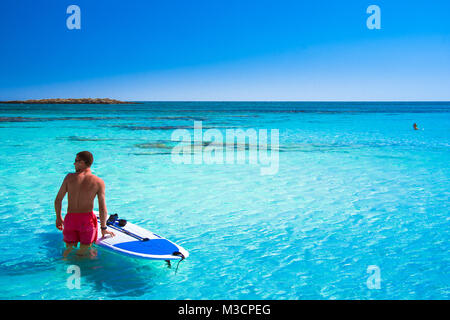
column 356, row 186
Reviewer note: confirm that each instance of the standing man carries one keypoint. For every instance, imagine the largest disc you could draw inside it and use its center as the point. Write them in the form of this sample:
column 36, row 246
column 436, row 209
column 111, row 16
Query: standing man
column 80, row 222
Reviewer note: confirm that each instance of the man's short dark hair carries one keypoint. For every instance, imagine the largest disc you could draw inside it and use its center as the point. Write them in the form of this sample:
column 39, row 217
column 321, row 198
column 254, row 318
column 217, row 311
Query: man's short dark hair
column 87, row 157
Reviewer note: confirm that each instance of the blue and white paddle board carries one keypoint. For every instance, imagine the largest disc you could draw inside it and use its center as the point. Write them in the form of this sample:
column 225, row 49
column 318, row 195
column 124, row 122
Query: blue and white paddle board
column 138, row 242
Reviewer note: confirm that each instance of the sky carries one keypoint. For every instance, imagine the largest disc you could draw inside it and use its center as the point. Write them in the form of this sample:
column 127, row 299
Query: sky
column 226, row 50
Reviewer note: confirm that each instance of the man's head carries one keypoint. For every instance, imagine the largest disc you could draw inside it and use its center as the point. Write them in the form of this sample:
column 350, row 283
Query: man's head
column 83, row 160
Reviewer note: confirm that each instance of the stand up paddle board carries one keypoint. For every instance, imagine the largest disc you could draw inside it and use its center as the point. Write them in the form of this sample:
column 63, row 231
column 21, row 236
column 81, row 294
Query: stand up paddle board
column 137, row 242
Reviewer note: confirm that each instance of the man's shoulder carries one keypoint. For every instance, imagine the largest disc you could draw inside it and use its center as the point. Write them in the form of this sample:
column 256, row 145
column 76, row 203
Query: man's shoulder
column 69, row 175
column 98, row 179
column 100, row 184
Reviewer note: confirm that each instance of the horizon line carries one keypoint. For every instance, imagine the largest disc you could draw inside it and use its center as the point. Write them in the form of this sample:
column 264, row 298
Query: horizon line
column 127, row 100
column 287, row 100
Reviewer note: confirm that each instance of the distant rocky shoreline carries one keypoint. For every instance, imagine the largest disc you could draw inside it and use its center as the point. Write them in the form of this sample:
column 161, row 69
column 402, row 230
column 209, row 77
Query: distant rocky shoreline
column 70, row 101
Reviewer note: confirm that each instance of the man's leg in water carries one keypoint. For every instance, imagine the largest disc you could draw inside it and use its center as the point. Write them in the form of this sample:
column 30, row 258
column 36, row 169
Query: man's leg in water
column 69, row 247
column 83, row 249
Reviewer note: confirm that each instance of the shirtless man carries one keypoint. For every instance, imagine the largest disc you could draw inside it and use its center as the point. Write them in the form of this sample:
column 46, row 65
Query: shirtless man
column 80, row 222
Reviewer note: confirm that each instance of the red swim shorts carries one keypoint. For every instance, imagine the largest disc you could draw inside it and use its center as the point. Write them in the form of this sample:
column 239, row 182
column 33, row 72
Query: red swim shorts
column 80, row 227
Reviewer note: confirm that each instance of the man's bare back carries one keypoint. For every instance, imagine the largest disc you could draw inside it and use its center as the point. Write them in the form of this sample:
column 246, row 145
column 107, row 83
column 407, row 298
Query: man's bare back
column 82, row 188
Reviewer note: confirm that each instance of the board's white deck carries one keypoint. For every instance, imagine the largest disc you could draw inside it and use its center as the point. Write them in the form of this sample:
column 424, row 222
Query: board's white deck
column 109, row 242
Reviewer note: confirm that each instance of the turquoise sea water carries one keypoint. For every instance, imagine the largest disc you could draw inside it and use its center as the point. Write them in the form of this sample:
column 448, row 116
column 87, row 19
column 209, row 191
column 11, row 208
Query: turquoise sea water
column 356, row 187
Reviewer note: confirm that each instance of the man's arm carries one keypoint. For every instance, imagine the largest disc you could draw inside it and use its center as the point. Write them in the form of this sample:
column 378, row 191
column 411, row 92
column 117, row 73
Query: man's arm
column 102, row 209
column 58, row 202
column 103, row 212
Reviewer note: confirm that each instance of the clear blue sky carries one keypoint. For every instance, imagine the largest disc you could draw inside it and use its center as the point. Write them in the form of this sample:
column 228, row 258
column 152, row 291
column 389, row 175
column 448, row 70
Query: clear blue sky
column 225, row 50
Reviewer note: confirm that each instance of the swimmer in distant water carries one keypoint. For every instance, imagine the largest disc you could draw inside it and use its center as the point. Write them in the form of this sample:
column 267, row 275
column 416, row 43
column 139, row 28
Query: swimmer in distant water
column 415, row 126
